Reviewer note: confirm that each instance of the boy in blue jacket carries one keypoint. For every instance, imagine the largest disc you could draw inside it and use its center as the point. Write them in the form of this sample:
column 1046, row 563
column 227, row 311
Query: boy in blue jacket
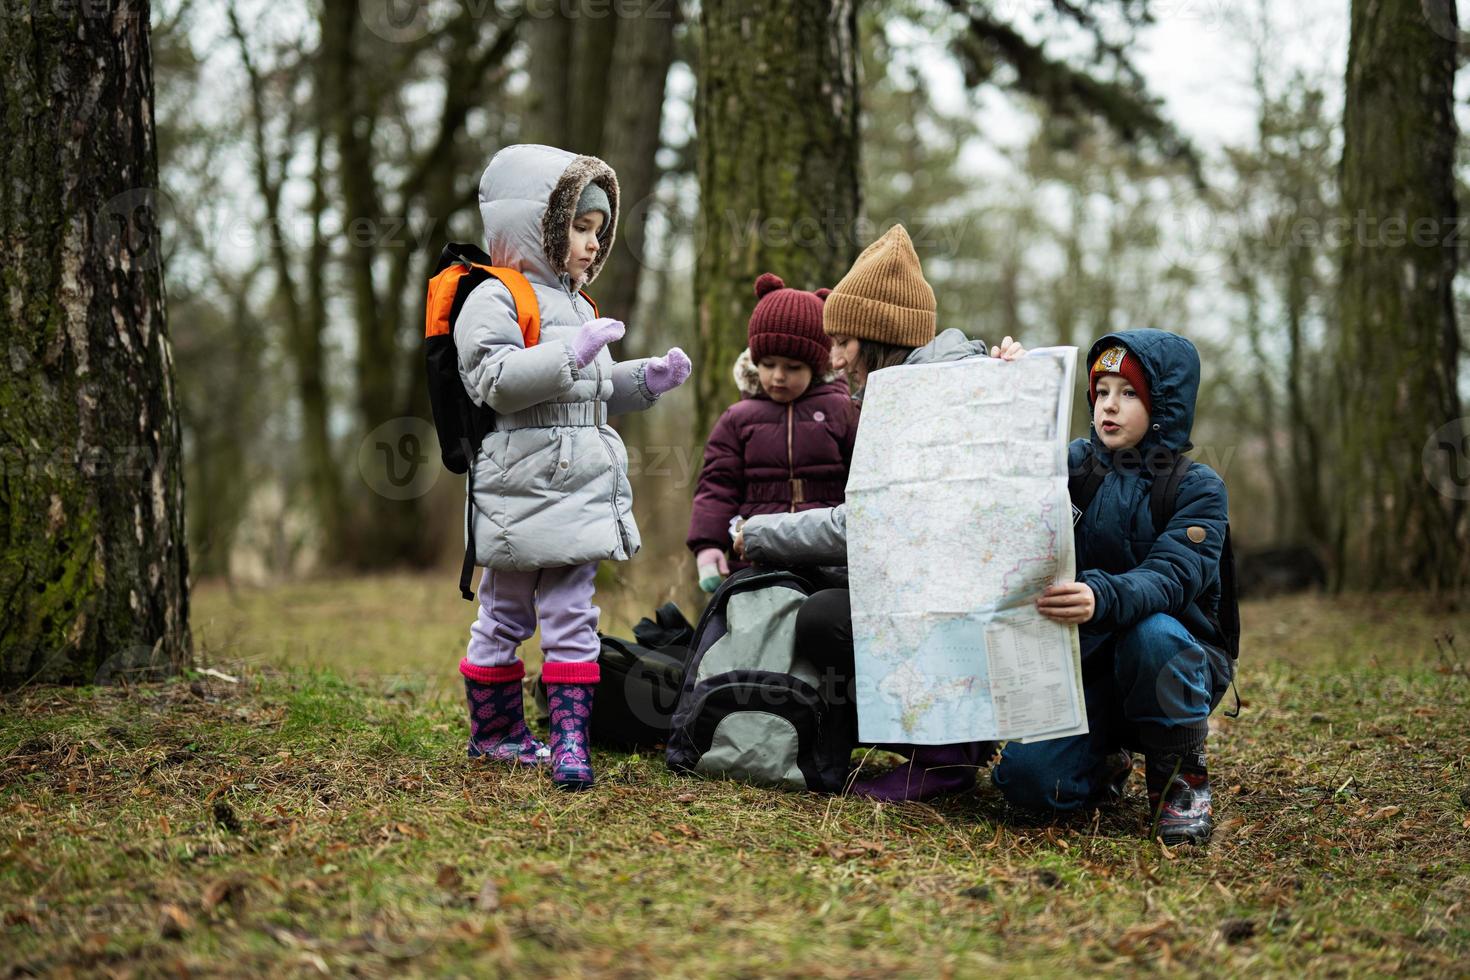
column 1145, row 599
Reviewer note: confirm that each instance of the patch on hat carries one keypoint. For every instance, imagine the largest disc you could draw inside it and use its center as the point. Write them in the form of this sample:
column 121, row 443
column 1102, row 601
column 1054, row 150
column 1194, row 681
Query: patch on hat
column 1110, row 360
column 1196, row 534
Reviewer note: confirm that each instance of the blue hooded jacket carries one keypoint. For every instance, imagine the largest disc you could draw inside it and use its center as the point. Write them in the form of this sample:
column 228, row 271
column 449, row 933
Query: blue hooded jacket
column 1133, row 568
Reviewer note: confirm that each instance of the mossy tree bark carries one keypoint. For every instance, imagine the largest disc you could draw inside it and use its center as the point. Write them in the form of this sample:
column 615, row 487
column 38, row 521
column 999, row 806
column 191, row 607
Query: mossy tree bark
column 93, row 561
column 1400, row 347
column 777, row 118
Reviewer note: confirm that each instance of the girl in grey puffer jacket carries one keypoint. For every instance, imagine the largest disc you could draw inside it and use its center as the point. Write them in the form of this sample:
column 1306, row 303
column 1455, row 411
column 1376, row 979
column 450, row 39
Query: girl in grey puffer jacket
column 549, row 487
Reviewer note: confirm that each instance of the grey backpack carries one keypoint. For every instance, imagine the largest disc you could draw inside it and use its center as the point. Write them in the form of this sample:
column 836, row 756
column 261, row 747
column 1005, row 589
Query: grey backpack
column 750, row 708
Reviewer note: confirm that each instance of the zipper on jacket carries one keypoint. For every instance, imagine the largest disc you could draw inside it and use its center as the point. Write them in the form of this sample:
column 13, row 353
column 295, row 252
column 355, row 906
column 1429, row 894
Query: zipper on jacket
column 612, row 458
column 791, row 457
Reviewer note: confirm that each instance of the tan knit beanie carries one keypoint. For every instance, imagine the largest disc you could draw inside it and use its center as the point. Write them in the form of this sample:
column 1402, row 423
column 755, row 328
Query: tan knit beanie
column 884, row 296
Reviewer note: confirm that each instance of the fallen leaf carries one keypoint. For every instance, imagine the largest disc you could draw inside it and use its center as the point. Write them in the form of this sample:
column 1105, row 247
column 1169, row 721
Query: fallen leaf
column 174, row 922
column 489, row 897
column 1135, row 935
column 1235, row 931
column 229, row 891
column 1384, row 812
column 685, row 798
column 449, row 878
column 18, row 917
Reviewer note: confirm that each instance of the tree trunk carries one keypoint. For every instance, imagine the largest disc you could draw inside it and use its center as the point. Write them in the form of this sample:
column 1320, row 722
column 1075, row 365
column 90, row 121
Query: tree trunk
column 777, row 116
column 93, row 559
column 304, row 316
column 1400, row 348
column 548, row 112
column 595, row 38
column 630, row 142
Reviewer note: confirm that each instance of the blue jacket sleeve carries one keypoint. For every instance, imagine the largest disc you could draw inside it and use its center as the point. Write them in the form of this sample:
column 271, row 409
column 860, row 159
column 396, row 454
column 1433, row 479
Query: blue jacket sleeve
column 1178, row 568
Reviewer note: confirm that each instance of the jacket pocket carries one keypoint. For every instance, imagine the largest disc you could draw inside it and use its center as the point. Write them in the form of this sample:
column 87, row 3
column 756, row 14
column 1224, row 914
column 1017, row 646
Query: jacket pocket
column 563, row 460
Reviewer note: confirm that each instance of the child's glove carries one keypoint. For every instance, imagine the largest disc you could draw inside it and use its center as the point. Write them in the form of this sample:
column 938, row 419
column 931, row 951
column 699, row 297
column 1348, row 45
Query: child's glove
column 712, row 568
column 594, row 336
column 662, row 374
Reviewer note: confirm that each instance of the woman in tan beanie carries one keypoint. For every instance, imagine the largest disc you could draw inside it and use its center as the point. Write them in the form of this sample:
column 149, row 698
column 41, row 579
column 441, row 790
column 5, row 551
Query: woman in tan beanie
column 880, row 316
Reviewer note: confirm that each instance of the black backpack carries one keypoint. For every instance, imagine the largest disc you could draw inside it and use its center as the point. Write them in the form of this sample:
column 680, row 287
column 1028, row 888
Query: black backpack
column 637, row 695
column 751, row 709
column 1162, row 502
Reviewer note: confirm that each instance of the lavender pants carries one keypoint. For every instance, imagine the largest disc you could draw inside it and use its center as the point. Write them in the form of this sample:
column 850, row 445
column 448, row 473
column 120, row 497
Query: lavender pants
column 509, row 603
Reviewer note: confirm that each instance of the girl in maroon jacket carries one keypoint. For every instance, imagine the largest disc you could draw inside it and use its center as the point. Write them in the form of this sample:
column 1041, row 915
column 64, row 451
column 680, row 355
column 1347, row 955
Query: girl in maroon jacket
column 787, row 444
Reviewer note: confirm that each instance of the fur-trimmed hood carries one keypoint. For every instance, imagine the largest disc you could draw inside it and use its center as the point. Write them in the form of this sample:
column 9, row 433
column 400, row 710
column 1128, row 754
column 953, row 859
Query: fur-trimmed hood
column 748, row 377
column 528, row 198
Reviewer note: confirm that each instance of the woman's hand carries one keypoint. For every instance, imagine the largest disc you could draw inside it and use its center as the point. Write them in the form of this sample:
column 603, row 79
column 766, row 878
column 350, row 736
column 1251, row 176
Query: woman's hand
column 739, row 545
column 1008, row 350
column 1071, row 603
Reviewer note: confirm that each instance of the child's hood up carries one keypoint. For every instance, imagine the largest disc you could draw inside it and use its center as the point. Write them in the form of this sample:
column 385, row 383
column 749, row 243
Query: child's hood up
column 528, row 198
column 1171, row 365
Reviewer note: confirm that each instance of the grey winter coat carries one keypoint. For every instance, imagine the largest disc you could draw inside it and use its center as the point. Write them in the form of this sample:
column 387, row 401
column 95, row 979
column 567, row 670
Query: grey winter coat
column 819, row 537
column 550, row 484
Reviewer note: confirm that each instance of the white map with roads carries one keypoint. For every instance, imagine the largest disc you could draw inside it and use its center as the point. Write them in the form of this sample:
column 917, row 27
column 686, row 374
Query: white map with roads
column 957, row 517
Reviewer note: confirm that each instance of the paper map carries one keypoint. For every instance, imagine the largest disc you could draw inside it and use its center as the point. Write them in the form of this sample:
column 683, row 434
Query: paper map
column 957, row 517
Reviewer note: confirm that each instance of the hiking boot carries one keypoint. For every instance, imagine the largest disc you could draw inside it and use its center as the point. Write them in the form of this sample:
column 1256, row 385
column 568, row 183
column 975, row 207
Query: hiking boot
column 1179, row 800
column 497, row 720
column 932, row 770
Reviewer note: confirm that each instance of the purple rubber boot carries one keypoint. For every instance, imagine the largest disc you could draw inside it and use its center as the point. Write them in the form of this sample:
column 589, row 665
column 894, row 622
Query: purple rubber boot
column 569, row 688
column 932, row 770
column 497, row 717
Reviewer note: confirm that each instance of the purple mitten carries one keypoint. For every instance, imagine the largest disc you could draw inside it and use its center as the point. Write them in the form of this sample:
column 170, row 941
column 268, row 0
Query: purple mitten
column 594, row 336
column 662, row 374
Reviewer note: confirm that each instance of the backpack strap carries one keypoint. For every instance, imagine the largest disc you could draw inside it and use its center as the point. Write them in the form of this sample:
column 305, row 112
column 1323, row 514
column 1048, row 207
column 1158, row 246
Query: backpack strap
column 1163, row 496
column 467, row 569
column 583, row 294
column 1083, row 486
column 528, row 311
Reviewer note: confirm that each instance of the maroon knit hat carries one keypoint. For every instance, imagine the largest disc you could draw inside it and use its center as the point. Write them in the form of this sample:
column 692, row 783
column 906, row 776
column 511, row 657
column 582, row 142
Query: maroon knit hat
column 788, row 323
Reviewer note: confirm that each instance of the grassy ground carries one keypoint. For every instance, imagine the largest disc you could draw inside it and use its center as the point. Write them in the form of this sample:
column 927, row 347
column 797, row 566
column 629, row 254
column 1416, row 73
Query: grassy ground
column 299, row 822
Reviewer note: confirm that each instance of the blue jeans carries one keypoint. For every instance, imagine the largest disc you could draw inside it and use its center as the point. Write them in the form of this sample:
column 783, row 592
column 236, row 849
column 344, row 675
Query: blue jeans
column 1154, row 674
